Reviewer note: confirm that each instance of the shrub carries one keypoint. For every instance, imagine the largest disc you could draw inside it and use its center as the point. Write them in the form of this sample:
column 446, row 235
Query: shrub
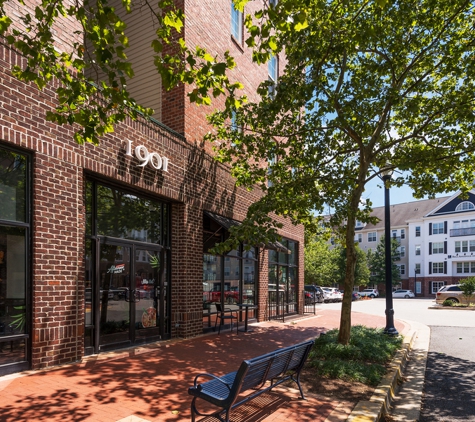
column 448, row 302
column 362, row 360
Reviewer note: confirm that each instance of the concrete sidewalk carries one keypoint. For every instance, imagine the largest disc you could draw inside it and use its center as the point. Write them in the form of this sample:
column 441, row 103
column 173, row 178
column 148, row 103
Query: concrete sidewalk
column 150, row 383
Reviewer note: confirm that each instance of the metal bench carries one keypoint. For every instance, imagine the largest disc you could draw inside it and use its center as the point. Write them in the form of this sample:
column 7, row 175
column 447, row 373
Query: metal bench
column 276, row 367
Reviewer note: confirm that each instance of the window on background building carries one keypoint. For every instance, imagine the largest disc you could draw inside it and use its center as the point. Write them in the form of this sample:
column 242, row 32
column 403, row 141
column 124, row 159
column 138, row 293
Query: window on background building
column 438, row 228
column 417, row 268
column 402, row 269
column 465, row 206
column 472, row 245
column 403, row 233
column 456, row 224
column 273, row 69
column 465, row 267
column 394, row 233
column 418, row 231
column 402, row 251
column 461, row 246
column 436, row 285
column 438, row 268
column 438, row 247
column 236, row 23
column 359, row 238
column 418, row 249
column 372, row 237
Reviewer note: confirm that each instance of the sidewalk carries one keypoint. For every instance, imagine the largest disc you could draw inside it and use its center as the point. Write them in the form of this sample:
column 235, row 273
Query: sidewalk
column 150, row 383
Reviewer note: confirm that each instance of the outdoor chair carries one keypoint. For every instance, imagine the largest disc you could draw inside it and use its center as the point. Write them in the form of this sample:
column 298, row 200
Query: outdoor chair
column 225, row 314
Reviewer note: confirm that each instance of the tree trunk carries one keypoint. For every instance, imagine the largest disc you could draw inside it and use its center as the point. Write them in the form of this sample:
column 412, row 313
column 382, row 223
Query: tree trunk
column 345, row 319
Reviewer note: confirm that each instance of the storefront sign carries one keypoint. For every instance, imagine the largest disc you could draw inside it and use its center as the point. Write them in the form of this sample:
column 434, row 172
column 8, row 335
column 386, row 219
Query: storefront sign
column 145, row 157
column 116, row 269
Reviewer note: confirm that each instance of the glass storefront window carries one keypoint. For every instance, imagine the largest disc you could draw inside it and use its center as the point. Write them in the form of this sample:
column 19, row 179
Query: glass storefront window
column 12, row 281
column 14, row 229
column 229, row 279
column 282, row 288
column 125, row 216
column 13, row 186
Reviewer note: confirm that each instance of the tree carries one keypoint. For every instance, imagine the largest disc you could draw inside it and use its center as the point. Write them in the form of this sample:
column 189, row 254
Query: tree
column 362, row 273
column 377, row 262
column 320, row 264
column 92, row 75
column 366, row 85
column 468, row 288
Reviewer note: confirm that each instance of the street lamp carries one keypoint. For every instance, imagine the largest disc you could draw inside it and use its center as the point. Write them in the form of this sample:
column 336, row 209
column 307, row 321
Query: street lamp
column 386, row 173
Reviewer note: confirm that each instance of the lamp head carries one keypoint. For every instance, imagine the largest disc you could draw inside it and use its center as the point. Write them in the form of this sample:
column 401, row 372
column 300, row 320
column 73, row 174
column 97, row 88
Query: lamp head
column 386, row 171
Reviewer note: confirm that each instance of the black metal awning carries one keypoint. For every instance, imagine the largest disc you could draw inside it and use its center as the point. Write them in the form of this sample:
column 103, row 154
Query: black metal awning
column 227, row 223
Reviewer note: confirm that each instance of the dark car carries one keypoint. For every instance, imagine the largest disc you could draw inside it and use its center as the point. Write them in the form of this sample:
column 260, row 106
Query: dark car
column 313, row 294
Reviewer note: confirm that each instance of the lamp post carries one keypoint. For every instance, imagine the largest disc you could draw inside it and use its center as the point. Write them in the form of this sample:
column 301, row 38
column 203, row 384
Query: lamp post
column 390, row 329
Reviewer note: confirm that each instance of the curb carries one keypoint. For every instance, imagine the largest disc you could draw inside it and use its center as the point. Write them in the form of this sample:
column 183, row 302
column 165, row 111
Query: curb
column 373, row 410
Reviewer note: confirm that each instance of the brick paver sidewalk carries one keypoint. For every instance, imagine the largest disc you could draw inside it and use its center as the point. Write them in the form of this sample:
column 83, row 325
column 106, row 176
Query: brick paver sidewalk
column 150, row 383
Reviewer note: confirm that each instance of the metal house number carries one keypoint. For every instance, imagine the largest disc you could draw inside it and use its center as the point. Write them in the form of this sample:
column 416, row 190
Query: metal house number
column 152, row 158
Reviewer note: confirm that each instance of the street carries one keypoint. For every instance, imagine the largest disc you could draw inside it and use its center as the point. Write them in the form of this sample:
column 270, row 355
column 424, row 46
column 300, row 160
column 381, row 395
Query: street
column 449, row 387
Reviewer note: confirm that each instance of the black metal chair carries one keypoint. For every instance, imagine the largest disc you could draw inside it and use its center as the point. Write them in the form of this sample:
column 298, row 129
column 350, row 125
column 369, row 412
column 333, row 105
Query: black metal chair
column 225, row 314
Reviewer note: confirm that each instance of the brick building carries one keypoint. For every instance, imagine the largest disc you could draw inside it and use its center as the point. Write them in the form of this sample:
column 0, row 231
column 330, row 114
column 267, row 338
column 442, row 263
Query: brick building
column 107, row 247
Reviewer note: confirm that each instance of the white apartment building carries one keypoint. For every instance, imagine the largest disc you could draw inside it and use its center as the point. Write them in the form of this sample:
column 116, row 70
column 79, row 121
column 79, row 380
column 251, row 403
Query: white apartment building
column 436, row 241
column 442, row 244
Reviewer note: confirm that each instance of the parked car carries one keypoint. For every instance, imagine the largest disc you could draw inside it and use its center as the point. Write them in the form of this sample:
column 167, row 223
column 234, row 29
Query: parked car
column 332, row 294
column 452, row 292
column 403, row 293
column 369, row 293
column 313, row 294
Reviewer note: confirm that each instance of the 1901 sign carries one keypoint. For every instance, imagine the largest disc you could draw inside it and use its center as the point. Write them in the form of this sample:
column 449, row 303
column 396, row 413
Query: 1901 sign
column 145, row 157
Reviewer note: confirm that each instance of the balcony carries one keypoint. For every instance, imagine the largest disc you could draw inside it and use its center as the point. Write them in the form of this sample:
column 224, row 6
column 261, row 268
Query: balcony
column 467, row 231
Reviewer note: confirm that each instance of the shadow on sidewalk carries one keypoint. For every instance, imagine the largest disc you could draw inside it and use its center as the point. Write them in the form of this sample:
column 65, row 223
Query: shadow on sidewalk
column 150, row 382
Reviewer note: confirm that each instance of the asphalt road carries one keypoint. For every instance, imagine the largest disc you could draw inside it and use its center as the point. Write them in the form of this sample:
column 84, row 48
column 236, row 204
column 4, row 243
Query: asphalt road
column 449, row 387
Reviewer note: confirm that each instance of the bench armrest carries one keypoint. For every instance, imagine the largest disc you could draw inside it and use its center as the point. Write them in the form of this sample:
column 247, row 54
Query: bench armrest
column 198, row 386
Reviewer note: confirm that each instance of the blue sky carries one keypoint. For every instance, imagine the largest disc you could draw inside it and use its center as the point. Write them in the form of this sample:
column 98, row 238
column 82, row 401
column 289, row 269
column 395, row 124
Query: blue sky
column 374, row 191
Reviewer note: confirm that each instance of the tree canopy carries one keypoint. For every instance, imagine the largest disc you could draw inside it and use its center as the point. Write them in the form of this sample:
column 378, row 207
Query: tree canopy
column 320, row 262
column 366, row 86
column 93, row 71
column 377, row 262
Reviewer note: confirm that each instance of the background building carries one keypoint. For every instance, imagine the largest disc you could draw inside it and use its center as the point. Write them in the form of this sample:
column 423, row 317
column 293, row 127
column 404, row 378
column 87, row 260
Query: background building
column 436, row 240
column 107, row 247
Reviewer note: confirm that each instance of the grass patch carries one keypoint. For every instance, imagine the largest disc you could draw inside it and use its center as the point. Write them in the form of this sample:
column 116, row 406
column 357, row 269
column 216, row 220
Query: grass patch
column 363, row 360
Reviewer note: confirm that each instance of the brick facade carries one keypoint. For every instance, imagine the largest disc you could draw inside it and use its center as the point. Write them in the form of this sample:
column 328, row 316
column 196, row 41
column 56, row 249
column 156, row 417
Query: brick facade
column 194, row 182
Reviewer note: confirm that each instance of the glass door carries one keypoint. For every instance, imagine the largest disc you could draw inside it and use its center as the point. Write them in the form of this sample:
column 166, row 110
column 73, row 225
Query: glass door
column 114, row 295
column 129, row 303
column 150, row 296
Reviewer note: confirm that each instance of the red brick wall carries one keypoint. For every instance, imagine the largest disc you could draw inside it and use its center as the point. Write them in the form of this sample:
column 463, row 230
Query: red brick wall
column 194, row 182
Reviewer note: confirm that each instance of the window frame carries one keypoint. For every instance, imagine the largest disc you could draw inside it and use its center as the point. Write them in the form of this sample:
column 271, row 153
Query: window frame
column 465, row 206
column 237, row 24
